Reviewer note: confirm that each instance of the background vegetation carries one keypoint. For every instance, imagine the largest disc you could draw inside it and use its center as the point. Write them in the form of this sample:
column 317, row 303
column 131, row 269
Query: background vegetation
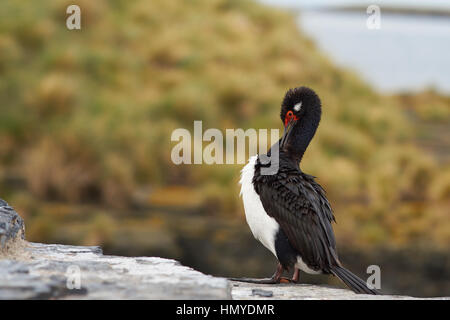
column 86, row 118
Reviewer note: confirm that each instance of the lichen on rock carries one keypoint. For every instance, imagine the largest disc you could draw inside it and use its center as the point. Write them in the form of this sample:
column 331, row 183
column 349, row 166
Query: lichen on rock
column 12, row 228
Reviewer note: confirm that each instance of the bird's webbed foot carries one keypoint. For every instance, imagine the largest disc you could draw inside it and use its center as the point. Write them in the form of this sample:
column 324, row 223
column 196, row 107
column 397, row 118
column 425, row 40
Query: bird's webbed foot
column 276, row 278
column 257, row 281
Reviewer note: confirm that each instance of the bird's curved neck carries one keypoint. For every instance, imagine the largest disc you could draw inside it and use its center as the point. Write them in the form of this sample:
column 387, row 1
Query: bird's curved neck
column 302, row 134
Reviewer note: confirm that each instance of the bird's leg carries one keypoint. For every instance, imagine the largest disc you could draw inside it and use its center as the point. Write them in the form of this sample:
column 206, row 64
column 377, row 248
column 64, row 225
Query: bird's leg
column 276, row 278
column 296, row 275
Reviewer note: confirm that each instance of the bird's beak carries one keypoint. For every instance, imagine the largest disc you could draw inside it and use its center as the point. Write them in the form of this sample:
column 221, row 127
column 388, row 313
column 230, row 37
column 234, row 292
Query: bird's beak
column 287, row 133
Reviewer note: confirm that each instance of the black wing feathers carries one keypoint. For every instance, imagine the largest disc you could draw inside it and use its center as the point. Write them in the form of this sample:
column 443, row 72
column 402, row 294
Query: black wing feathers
column 299, row 205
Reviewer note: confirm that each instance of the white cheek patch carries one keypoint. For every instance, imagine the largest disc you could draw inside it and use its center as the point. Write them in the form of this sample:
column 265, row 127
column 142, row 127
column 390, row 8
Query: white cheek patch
column 298, row 106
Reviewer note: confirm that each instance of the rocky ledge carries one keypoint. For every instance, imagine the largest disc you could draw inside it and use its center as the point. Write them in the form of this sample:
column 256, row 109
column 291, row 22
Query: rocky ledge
column 41, row 271
column 50, row 271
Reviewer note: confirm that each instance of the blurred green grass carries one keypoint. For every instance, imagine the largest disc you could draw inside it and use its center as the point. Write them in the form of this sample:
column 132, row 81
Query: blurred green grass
column 86, row 119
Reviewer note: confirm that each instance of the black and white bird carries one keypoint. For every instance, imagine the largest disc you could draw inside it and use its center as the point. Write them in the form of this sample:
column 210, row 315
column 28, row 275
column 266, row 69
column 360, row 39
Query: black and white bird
column 288, row 211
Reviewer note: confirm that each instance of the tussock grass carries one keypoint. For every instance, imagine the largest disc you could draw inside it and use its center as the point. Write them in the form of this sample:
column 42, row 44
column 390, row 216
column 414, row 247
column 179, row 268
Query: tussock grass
column 86, row 116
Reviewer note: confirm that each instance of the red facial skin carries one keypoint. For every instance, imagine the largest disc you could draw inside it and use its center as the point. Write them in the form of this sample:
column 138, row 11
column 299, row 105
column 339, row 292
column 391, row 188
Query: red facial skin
column 289, row 116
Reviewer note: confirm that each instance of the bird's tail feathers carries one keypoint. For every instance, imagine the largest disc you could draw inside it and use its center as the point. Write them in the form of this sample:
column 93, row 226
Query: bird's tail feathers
column 352, row 281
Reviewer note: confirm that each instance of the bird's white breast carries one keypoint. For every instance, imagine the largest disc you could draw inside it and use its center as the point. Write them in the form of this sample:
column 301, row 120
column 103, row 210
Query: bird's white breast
column 263, row 227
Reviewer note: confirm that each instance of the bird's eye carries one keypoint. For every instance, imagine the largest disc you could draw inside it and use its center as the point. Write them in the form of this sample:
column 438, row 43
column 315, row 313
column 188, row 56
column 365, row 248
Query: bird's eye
column 290, row 114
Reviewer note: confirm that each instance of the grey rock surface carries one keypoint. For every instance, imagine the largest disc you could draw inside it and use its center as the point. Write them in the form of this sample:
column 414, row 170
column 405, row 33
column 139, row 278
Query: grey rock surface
column 43, row 271
column 11, row 225
column 245, row 291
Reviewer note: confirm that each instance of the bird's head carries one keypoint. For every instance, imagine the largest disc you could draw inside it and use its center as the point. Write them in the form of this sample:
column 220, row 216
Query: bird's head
column 301, row 108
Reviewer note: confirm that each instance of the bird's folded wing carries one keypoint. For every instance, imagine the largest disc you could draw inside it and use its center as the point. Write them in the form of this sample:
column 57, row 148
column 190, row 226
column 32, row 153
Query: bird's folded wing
column 303, row 213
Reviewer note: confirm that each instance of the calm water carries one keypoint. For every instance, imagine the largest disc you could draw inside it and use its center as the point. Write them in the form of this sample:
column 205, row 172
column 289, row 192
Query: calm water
column 406, row 53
